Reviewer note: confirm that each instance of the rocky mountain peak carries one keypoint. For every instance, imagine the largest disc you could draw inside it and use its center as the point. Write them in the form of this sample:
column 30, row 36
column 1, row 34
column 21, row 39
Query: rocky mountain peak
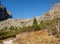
column 4, row 13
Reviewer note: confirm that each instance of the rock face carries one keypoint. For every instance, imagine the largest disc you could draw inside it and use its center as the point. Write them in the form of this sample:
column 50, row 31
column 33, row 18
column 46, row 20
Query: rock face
column 55, row 10
column 4, row 13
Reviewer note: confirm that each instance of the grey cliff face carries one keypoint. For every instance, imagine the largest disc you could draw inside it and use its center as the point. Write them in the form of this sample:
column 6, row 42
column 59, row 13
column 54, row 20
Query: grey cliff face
column 4, row 13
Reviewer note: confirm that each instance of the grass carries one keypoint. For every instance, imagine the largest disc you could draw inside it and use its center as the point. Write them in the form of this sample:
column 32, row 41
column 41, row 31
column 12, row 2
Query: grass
column 36, row 37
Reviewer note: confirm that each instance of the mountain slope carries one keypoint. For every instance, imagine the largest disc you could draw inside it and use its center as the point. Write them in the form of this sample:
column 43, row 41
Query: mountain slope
column 55, row 10
column 36, row 37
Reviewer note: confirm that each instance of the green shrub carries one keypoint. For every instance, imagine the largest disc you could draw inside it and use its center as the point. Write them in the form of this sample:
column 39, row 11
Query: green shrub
column 35, row 25
column 42, row 25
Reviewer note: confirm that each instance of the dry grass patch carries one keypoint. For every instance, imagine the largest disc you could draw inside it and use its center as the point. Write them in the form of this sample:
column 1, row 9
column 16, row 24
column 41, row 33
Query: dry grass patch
column 36, row 37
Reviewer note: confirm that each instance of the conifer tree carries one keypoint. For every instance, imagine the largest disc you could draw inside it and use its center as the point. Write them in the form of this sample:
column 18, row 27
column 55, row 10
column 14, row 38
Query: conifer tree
column 35, row 24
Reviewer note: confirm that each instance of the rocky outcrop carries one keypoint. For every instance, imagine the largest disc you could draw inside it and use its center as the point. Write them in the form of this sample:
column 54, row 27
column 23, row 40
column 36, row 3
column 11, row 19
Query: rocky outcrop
column 4, row 13
column 55, row 10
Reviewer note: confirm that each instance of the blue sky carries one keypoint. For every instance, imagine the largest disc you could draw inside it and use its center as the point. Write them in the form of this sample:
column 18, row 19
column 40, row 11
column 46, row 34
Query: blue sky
column 28, row 8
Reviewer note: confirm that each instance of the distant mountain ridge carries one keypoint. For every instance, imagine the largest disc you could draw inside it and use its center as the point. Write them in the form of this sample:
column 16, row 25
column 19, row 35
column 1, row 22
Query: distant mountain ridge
column 53, row 13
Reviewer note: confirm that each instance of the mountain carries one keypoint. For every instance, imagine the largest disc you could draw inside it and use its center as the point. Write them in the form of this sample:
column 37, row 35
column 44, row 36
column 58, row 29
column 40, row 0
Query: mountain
column 4, row 13
column 46, row 32
column 54, row 12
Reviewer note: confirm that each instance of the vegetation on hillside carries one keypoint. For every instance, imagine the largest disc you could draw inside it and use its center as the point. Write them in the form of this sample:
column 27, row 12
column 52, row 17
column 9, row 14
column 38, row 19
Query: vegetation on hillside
column 13, row 31
column 49, row 25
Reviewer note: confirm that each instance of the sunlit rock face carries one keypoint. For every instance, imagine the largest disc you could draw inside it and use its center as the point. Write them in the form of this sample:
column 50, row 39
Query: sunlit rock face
column 4, row 13
column 55, row 10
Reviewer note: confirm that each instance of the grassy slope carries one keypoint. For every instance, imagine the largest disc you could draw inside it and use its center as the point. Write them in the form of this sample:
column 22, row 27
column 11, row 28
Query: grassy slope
column 36, row 37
